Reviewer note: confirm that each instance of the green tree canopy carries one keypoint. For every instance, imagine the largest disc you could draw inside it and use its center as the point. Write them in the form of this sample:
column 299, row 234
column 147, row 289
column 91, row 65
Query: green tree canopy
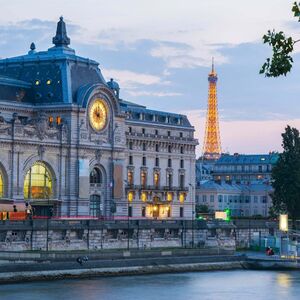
column 286, row 175
column 282, row 46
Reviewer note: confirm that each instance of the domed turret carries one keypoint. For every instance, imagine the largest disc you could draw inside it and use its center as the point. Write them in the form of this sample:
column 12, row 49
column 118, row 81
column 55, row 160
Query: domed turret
column 114, row 86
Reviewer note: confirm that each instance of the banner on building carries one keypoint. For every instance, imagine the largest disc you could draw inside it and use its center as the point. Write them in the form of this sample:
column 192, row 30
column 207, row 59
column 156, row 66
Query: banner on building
column 84, row 178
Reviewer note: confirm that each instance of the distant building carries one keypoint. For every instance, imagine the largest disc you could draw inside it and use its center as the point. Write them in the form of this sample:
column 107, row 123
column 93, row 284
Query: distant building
column 241, row 183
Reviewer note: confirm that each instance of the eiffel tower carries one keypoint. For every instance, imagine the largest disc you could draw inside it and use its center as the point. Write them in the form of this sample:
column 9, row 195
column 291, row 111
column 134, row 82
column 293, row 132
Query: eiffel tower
column 212, row 141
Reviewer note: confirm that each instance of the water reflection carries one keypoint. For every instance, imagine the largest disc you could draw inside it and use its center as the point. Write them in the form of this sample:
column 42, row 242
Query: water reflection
column 284, row 279
column 233, row 285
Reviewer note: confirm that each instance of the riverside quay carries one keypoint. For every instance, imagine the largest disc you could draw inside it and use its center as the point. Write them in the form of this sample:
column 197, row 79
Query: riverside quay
column 71, row 147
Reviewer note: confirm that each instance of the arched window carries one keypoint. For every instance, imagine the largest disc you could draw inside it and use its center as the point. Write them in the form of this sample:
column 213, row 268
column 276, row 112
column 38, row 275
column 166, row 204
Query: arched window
column 1, row 186
column 96, row 176
column 95, row 206
column 38, row 182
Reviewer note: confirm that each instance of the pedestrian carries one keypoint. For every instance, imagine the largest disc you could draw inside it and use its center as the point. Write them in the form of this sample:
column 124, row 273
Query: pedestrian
column 15, row 208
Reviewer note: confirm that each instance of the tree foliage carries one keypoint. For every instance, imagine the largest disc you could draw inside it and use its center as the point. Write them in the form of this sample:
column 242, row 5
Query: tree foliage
column 202, row 208
column 286, row 175
column 282, row 46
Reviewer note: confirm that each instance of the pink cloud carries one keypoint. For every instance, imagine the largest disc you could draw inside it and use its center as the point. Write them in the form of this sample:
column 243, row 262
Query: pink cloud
column 244, row 136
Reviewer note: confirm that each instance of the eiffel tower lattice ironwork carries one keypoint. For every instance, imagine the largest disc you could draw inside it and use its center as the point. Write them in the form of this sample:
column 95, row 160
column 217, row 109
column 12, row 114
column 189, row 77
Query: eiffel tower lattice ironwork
column 212, row 141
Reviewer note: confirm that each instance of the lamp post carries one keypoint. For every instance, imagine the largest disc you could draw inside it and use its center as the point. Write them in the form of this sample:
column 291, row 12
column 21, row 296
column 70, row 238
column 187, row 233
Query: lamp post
column 114, row 128
column 193, row 209
column 127, row 200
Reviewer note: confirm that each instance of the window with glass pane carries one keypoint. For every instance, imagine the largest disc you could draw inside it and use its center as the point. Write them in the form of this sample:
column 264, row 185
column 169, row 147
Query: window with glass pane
column 130, row 177
column 1, row 186
column 95, row 176
column 38, row 182
column 95, row 206
column 156, row 179
column 143, row 179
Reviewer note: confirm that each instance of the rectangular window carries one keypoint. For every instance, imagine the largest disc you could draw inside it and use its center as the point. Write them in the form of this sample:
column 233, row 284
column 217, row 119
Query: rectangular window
column 144, row 146
column 143, row 179
column 220, row 197
column 130, row 129
column 181, row 163
column 130, row 146
column 181, row 212
column 143, row 211
column 156, row 132
column 130, row 211
column 170, row 180
column 143, row 130
column 130, row 177
column 212, row 198
column 156, row 179
column 157, row 162
column 181, row 181
column 180, row 134
column 169, row 133
column 204, row 198
column 144, row 161
column 130, row 160
column 156, row 147
column 170, row 163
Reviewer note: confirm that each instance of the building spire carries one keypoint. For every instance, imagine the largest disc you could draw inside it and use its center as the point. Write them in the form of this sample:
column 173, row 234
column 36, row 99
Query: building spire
column 212, row 65
column 61, row 39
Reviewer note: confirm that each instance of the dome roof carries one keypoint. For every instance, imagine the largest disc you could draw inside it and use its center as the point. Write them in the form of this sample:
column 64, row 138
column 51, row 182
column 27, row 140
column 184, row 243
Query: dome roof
column 113, row 84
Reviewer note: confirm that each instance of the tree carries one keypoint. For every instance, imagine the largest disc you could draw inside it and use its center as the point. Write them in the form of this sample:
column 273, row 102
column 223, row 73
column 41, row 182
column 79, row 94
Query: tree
column 282, row 46
column 286, row 176
column 202, row 208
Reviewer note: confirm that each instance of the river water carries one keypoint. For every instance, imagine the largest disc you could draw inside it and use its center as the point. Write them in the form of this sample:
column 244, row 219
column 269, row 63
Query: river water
column 225, row 285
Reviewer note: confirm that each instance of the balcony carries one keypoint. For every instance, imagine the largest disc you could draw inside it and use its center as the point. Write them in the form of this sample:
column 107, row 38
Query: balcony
column 157, row 188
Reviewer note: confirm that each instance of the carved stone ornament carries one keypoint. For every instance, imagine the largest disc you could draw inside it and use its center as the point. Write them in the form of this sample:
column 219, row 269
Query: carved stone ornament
column 98, row 155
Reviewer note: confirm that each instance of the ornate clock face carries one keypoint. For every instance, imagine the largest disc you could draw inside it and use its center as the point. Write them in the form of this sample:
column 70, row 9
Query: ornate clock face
column 98, row 114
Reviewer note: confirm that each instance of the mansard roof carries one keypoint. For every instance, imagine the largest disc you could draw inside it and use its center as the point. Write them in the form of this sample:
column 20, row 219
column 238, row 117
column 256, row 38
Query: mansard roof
column 139, row 113
column 54, row 75
column 247, row 159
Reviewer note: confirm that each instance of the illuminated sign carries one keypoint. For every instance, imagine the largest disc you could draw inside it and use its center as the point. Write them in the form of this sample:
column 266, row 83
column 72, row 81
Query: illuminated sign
column 221, row 215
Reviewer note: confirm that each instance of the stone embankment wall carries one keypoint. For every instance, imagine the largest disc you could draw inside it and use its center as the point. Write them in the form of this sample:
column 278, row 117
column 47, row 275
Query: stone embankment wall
column 96, row 234
column 135, row 234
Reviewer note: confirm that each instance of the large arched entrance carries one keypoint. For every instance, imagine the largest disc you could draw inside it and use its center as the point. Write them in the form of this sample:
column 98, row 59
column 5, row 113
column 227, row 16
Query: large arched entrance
column 98, row 186
column 38, row 189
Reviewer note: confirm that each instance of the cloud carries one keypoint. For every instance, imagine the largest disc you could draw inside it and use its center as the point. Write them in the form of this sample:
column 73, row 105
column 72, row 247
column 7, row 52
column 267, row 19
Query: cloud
column 153, row 94
column 129, row 79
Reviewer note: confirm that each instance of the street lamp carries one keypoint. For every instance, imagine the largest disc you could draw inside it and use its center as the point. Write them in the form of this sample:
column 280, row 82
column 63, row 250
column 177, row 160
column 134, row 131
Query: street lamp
column 193, row 210
column 114, row 128
column 127, row 199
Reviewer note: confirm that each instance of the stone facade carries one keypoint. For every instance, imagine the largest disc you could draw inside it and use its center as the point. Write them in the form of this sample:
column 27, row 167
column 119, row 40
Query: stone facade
column 241, row 183
column 55, row 158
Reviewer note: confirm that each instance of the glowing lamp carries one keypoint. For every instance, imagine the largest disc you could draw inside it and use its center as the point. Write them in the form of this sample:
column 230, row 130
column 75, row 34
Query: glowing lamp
column 283, row 222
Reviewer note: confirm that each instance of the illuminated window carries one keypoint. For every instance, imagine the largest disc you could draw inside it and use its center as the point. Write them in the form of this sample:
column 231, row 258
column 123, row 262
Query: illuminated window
column 50, row 120
column 58, row 120
column 144, row 196
column 1, row 186
column 130, row 196
column 37, row 82
column 95, row 176
column 48, row 82
column 169, row 196
column 38, row 182
column 156, row 179
column 143, row 179
column 130, row 177
column 181, row 197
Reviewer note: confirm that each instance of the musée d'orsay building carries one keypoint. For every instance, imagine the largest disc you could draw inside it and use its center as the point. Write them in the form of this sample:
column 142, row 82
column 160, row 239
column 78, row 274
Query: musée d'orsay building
column 69, row 142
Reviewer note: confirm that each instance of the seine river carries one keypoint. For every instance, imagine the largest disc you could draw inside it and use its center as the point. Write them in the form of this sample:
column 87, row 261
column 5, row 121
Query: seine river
column 225, row 285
